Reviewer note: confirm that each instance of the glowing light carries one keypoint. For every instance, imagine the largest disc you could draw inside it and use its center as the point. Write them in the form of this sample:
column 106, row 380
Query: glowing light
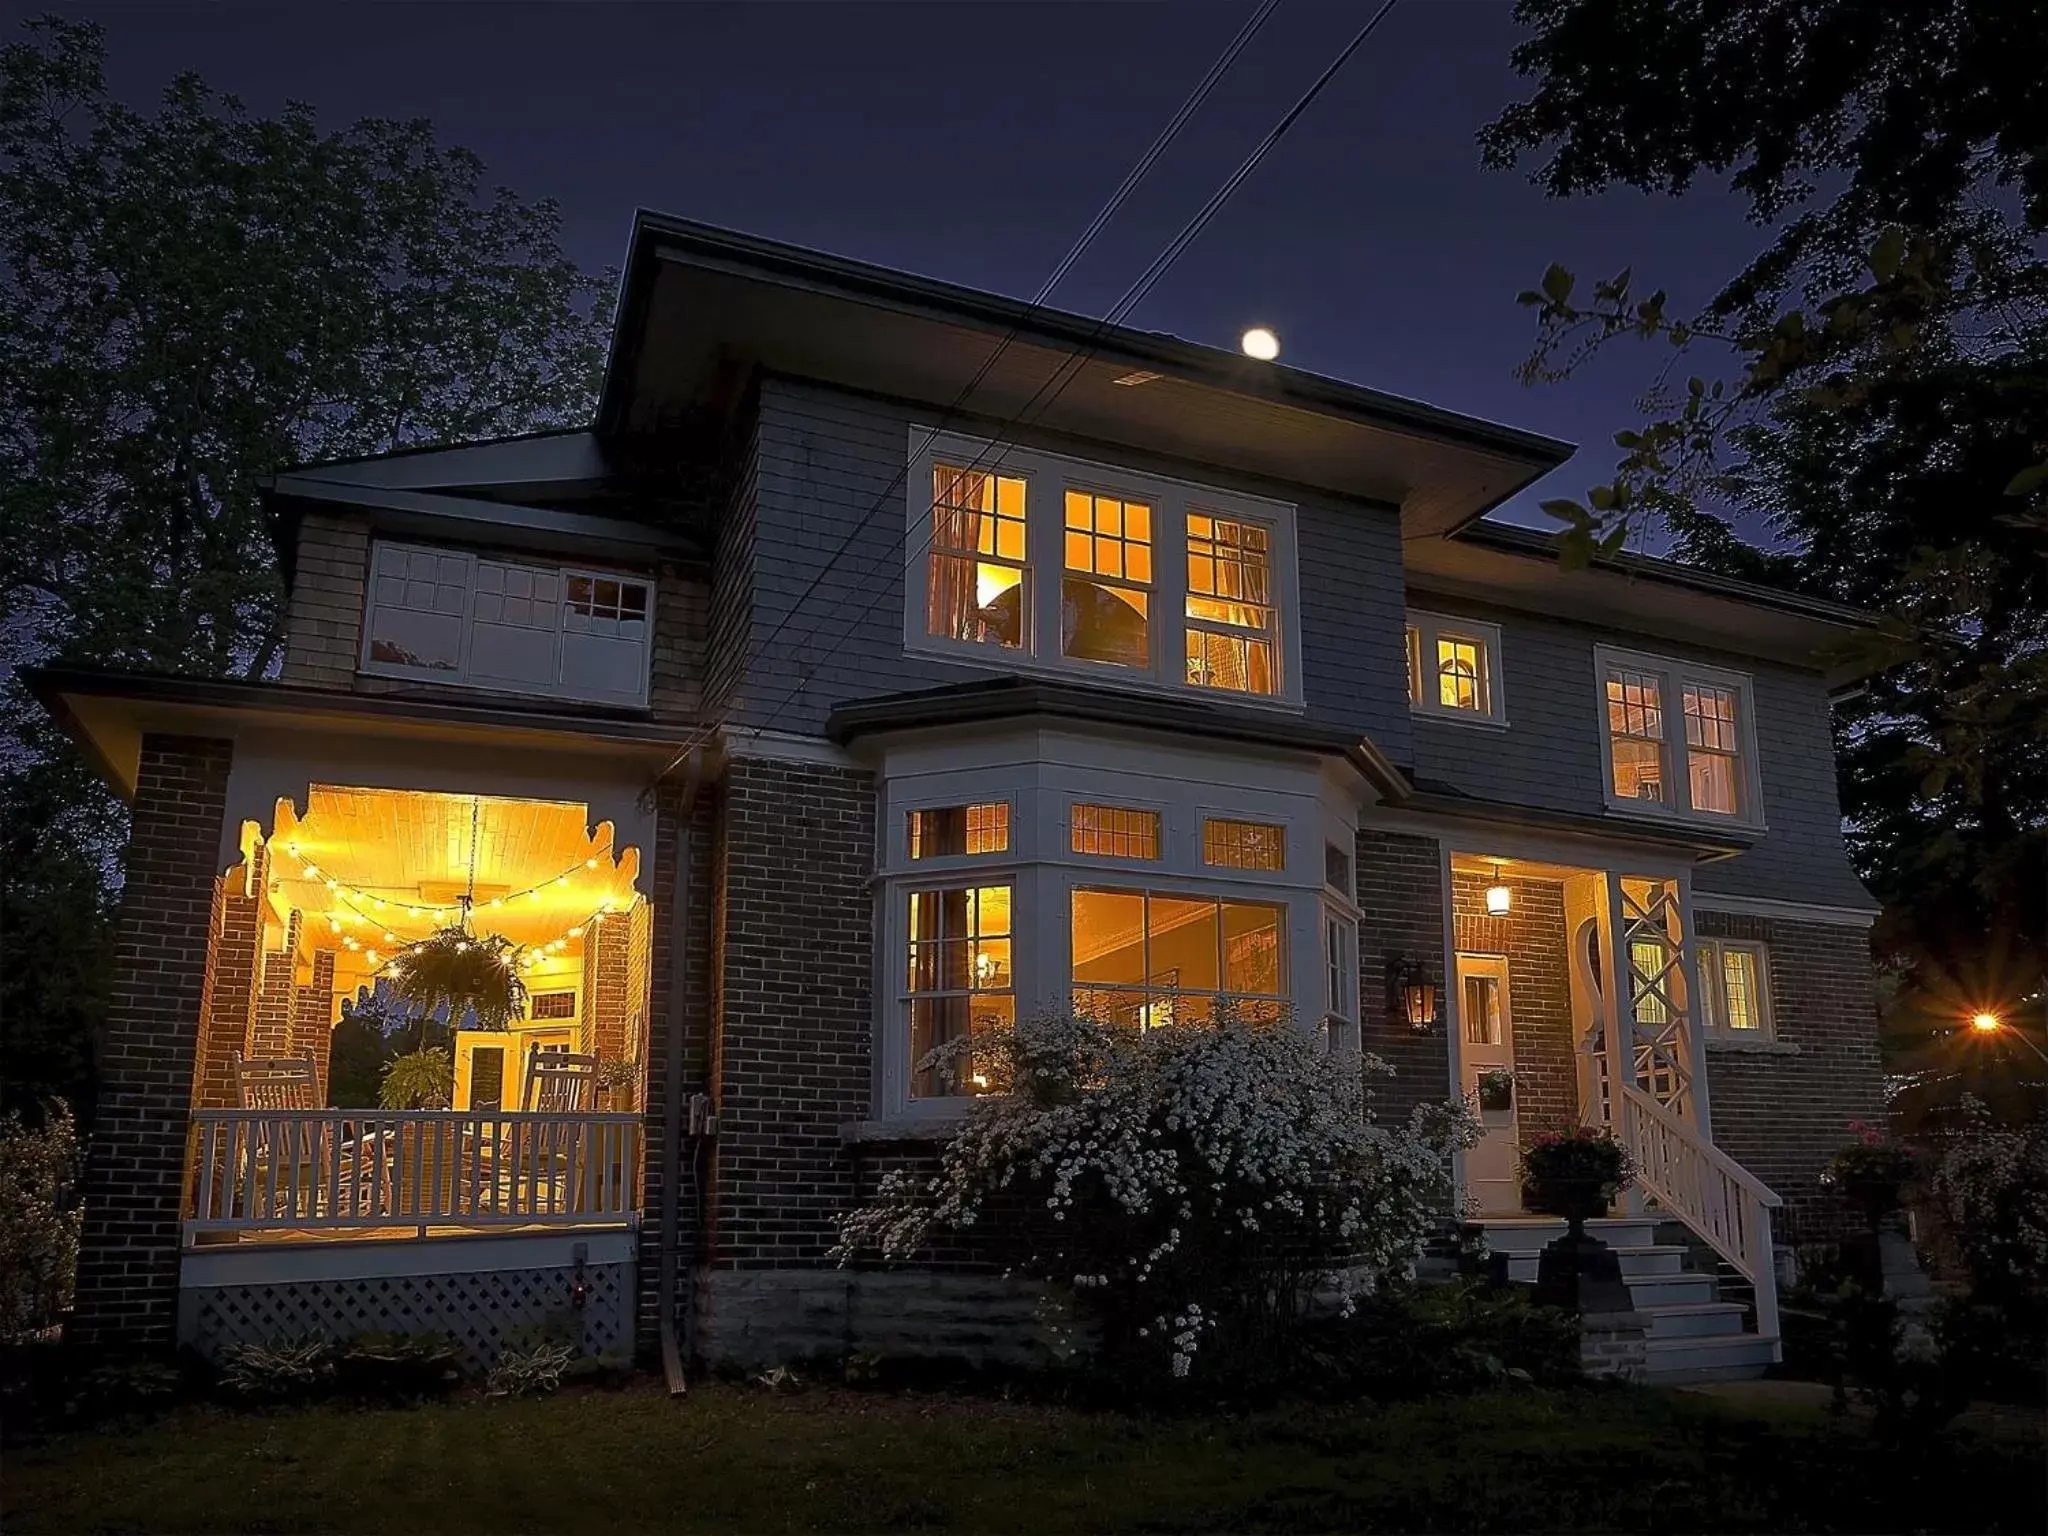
column 334, row 885
column 370, row 955
column 576, row 932
column 590, row 863
column 390, row 938
column 1986, row 1023
column 1499, row 899
column 312, row 871
column 1260, row 342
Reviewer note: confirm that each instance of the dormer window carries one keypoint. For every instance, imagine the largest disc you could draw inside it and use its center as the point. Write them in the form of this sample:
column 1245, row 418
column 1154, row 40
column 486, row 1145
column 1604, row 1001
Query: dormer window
column 1454, row 668
column 1157, row 584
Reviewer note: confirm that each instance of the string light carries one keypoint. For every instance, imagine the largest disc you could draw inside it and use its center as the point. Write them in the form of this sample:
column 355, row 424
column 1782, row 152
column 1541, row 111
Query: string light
column 355, row 898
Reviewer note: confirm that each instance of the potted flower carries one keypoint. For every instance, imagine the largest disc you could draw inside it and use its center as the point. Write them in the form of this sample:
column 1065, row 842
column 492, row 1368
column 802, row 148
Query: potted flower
column 1871, row 1173
column 1575, row 1176
column 617, row 1077
column 1496, row 1088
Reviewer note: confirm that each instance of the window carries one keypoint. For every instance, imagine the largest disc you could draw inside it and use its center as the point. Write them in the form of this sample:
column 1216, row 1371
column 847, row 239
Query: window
column 960, row 980
column 1230, row 605
column 1243, row 844
column 1482, row 1010
column 1340, row 967
column 1679, row 739
column 1647, row 957
column 447, row 616
column 952, row 830
column 978, row 589
column 1045, row 563
column 1142, row 959
column 552, row 1005
column 1735, row 987
column 1337, row 870
column 1115, row 832
column 1453, row 667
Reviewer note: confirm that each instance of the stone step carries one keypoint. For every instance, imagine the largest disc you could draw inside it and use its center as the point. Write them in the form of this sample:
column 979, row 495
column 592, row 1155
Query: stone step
column 1665, row 1290
column 1693, row 1319
column 1637, row 1262
column 1527, row 1234
column 1718, row 1357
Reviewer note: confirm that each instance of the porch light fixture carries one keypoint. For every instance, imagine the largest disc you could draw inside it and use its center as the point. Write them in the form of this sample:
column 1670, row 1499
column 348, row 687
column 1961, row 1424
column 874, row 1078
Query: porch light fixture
column 1411, row 993
column 1499, row 899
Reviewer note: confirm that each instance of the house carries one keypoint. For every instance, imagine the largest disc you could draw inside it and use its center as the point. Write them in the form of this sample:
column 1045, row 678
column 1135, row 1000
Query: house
column 888, row 658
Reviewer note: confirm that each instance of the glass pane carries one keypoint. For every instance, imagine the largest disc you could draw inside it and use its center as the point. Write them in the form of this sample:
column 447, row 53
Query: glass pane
column 1457, row 670
column 1243, row 844
column 1712, row 781
column 974, row 601
column 1646, row 972
column 1100, row 622
column 1114, row 831
column 1638, row 770
column 1482, row 1010
column 1108, row 931
column 1708, row 957
column 1739, row 978
column 1254, row 949
column 1184, row 947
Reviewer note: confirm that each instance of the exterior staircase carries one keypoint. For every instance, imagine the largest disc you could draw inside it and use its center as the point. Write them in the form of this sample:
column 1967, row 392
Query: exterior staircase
column 1691, row 1334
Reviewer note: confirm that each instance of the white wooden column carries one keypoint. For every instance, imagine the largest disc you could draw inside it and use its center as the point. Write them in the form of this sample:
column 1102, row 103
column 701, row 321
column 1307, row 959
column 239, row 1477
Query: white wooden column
column 1695, row 1024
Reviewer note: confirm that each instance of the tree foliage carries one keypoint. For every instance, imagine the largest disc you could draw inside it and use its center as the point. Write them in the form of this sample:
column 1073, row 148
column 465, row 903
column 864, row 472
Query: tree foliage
column 192, row 298
column 1860, row 412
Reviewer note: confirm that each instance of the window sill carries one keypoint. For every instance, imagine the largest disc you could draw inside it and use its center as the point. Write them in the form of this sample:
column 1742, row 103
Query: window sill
column 1736, row 1046
column 1635, row 810
column 929, row 1127
column 1457, row 717
column 1004, row 661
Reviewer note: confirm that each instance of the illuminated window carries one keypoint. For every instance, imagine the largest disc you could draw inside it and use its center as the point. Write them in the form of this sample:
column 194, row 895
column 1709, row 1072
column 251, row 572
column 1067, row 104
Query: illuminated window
column 1243, row 844
column 1106, row 597
column 1230, row 605
column 1115, row 832
column 1451, row 667
column 1735, row 986
column 1648, row 977
column 978, row 587
column 1693, row 760
column 551, row 1005
column 1482, row 1010
column 952, row 830
column 960, row 981
column 1148, row 958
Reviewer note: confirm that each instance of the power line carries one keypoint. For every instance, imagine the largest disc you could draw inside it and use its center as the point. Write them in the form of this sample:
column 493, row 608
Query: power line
column 1070, row 367
column 1188, row 107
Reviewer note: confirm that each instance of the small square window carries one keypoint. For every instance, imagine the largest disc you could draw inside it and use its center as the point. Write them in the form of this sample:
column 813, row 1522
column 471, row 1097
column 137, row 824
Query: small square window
column 1115, row 832
column 1453, row 667
column 1337, row 869
column 951, row 831
column 1243, row 844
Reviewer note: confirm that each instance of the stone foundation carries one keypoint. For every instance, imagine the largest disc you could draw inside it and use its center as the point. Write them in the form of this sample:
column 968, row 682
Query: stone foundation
column 756, row 1317
column 1614, row 1344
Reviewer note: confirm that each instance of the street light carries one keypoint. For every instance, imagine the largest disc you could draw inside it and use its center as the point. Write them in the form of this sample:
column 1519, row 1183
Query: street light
column 1992, row 1024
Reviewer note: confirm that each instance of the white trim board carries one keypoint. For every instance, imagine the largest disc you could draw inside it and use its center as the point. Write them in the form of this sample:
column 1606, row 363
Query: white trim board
column 340, row 1259
column 1791, row 911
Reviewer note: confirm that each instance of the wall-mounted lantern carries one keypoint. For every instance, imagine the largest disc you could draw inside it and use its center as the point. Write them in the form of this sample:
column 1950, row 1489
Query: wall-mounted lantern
column 1412, row 993
column 1499, row 899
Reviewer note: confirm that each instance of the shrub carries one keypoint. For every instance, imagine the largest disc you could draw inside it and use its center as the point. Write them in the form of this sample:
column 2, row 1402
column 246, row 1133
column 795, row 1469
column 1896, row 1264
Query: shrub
column 38, row 1221
column 532, row 1369
column 283, row 1370
column 1461, row 1336
column 1871, row 1172
column 1991, row 1187
column 1188, row 1187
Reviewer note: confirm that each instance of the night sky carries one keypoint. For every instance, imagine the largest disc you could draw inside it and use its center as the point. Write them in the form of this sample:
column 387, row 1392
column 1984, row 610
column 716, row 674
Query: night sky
column 972, row 142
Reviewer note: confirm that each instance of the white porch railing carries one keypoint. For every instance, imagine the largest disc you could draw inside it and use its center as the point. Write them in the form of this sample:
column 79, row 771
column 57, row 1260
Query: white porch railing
column 341, row 1169
column 1708, row 1190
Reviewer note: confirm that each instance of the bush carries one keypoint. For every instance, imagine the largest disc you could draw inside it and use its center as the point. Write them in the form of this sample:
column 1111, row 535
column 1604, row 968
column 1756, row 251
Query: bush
column 1990, row 1185
column 398, row 1367
column 281, row 1371
column 1462, row 1336
column 534, row 1369
column 39, row 1216
column 1188, row 1188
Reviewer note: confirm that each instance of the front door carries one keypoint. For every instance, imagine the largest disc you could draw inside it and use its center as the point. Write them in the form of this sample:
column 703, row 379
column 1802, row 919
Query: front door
column 1487, row 1045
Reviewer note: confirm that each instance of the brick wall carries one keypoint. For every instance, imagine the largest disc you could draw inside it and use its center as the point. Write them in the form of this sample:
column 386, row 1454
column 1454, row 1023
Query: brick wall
column 1783, row 1115
column 313, row 1016
column 794, row 953
column 236, row 965
column 128, row 1244
column 1533, row 938
column 1400, row 894
column 606, row 983
column 277, row 997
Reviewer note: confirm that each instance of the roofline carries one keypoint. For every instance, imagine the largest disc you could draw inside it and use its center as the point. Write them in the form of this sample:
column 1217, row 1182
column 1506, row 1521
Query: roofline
column 654, row 233
column 415, row 450
column 1510, row 539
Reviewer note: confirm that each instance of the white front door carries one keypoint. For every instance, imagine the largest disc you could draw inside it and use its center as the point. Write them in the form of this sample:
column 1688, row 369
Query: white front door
column 1487, row 1043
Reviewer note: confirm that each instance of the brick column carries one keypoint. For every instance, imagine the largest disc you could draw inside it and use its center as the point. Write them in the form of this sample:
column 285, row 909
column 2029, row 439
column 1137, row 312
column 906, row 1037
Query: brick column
column 605, row 983
column 313, row 1016
column 133, row 1194
column 276, row 997
column 1400, row 897
column 230, row 1013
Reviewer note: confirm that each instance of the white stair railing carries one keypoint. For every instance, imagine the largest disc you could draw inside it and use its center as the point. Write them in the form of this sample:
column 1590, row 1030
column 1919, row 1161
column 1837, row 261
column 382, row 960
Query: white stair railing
column 340, row 1169
column 1702, row 1186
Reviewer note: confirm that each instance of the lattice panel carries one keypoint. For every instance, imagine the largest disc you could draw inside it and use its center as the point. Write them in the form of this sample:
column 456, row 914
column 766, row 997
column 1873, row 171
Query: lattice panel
column 476, row 1309
column 1653, row 952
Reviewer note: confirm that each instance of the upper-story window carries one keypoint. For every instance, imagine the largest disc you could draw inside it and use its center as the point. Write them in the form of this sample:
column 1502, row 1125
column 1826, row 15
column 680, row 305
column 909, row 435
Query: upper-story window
column 1057, row 565
column 1679, row 738
column 449, row 616
column 1454, row 667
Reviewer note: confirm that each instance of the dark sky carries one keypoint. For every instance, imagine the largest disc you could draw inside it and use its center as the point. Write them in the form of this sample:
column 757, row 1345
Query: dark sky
column 972, row 142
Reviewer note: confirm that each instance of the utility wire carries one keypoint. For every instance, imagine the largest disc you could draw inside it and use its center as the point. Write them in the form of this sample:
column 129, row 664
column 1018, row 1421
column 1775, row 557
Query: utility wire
column 1070, row 367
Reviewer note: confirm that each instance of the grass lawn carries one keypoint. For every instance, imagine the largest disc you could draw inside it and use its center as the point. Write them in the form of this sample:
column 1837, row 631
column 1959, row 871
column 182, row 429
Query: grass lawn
column 743, row 1459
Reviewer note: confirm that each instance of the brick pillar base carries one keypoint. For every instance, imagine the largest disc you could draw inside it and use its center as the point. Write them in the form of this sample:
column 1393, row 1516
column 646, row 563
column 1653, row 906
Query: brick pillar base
column 134, row 1179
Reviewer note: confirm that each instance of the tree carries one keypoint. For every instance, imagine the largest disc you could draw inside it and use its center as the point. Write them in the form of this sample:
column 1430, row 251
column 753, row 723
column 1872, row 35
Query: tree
column 190, row 300
column 1870, row 398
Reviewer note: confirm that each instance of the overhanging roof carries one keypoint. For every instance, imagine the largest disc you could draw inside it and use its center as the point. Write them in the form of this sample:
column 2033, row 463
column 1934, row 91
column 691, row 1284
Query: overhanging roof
column 108, row 713
column 702, row 308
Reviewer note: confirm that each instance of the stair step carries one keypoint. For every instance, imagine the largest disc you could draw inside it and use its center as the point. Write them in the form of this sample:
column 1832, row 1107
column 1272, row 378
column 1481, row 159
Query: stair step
column 1722, row 1357
column 1527, row 1234
column 1693, row 1319
column 1669, row 1290
column 1637, row 1262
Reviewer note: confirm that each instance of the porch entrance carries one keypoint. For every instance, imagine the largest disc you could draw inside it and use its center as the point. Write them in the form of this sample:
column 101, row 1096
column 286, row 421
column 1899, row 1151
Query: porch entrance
column 1488, row 1047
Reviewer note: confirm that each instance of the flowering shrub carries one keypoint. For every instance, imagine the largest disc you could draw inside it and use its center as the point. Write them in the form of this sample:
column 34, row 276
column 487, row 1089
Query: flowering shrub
column 38, row 1220
column 1557, row 1168
column 1991, row 1185
column 1872, row 1171
column 1188, row 1187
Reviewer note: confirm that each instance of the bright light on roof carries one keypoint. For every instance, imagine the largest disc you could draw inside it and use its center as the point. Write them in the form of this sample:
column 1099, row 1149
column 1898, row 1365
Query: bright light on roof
column 1261, row 343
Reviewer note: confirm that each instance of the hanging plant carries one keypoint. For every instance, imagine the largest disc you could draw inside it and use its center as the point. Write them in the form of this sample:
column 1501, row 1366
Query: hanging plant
column 466, row 971
column 422, row 1079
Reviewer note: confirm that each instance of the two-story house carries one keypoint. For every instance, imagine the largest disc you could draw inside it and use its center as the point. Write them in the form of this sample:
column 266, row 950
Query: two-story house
column 888, row 658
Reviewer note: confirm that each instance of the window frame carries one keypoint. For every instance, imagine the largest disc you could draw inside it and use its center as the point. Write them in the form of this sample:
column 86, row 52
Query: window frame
column 462, row 677
column 1713, row 1010
column 1048, row 477
column 1427, row 627
column 1673, row 674
column 1180, row 890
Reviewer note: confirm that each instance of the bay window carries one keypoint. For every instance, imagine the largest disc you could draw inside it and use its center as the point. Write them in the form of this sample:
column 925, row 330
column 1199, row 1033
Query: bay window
column 1678, row 739
column 960, row 980
column 1144, row 958
column 1033, row 561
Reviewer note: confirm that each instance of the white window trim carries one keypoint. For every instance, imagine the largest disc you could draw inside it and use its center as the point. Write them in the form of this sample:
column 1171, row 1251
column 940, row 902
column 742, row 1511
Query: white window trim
column 1713, row 980
column 1673, row 674
column 1047, row 476
column 368, row 666
column 1428, row 626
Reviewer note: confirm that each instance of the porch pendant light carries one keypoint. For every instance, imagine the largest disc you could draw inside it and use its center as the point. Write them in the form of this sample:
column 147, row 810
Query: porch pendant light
column 1499, row 899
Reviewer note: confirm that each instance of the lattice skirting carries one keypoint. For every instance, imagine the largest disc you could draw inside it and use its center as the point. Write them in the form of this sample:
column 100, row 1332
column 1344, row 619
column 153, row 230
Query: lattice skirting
column 476, row 1309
